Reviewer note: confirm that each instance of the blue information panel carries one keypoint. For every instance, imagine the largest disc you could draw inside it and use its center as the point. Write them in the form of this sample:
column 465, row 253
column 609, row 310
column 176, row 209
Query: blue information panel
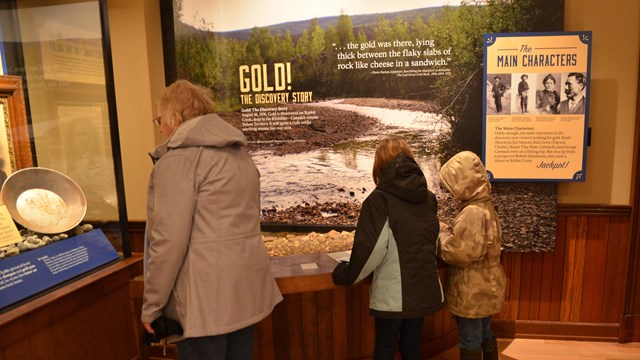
column 36, row 270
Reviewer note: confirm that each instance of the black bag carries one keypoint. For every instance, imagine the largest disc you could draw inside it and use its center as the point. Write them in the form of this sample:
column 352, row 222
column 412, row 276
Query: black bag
column 162, row 327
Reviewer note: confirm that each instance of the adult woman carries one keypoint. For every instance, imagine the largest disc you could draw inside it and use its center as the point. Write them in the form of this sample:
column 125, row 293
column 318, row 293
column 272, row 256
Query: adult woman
column 396, row 240
column 475, row 282
column 547, row 100
column 205, row 263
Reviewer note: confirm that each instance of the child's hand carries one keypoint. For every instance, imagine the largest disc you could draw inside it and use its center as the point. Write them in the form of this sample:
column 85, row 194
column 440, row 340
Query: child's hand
column 444, row 228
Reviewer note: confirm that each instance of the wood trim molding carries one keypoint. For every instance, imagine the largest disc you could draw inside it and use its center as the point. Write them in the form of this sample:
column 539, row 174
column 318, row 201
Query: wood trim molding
column 632, row 301
column 594, row 209
column 137, row 226
column 523, row 329
column 630, row 329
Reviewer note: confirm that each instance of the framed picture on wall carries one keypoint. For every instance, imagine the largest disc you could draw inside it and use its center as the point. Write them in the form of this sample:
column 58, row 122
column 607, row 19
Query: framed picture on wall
column 15, row 144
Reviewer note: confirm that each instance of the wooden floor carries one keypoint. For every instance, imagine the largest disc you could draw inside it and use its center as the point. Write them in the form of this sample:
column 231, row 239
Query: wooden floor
column 525, row 349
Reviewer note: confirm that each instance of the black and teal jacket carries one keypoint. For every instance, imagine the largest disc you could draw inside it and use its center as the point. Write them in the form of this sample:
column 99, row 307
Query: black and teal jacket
column 396, row 239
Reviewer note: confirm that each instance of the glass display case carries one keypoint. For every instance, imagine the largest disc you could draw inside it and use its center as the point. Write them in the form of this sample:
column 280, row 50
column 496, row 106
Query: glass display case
column 58, row 107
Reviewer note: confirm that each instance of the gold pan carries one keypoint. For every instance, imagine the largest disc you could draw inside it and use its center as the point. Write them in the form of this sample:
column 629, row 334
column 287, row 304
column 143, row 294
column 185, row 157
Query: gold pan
column 44, row 200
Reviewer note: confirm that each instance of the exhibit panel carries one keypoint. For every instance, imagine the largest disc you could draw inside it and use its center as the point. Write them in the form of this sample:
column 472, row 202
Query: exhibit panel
column 314, row 95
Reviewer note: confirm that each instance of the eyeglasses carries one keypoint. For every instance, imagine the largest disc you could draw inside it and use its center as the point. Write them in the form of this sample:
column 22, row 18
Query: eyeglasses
column 157, row 121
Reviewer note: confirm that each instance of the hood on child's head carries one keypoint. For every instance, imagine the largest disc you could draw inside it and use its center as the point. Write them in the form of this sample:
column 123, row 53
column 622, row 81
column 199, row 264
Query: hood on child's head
column 465, row 177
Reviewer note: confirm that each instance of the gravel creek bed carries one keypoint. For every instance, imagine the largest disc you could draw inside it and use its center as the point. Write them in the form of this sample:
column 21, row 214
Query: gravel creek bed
column 292, row 243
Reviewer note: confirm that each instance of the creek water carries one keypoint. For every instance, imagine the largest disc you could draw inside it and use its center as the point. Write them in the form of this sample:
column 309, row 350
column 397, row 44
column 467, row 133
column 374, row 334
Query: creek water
column 343, row 172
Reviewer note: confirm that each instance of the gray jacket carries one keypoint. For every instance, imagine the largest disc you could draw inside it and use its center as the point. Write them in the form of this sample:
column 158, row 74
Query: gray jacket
column 206, row 265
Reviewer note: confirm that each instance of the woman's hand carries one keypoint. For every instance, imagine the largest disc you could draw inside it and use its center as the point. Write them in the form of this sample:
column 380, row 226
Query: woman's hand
column 148, row 327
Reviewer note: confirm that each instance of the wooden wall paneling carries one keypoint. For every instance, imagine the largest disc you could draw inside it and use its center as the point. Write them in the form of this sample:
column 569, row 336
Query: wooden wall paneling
column 108, row 320
column 514, row 285
column 354, row 323
column 444, row 321
column 154, row 352
column 325, row 324
column 295, row 331
column 439, row 323
column 632, row 303
column 37, row 351
column 263, row 349
column 368, row 322
column 559, row 255
column 309, row 309
column 574, row 266
column 535, row 266
column 506, row 260
column 609, row 307
column 599, row 263
column 86, row 319
column 58, row 304
column 441, row 344
column 575, row 291
column 136, row 235
column 536, row 285
column 595, row 259
column 609, row 272
column 37, row 346
column 525, row 287
column 588, row 285
column 507, row 265
column 440, row 329
column 334, row 322
column 281, row 330
column 135, row 306
column 449, row 322
column 428, row 331
column 81, row 319
column 431, row 322
column 339, row 321
column 621, row 232
column 439, row 333
column 546, row 279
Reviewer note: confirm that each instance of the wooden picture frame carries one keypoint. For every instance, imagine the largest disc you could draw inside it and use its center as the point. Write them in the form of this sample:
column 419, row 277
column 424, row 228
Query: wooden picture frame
column 14, row 135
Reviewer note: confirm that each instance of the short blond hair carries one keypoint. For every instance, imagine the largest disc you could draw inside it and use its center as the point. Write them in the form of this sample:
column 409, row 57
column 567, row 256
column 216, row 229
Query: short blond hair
column 388, row 149
column 183, row 100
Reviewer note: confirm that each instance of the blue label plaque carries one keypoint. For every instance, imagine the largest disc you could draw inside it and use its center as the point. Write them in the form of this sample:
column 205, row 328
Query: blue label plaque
column 36, row 270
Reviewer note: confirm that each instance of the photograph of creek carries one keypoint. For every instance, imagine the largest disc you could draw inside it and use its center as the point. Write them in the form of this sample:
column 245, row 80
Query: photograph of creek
column 323, row 179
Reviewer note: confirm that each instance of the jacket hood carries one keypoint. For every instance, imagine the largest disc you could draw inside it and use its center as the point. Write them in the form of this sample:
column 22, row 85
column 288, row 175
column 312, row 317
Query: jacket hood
column 465, row 177
column 403, row 178
column 206, row 130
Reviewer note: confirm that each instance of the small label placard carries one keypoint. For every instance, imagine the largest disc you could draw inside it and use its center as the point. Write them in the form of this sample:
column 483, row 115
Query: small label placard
column 8, row 231
column 309, row 266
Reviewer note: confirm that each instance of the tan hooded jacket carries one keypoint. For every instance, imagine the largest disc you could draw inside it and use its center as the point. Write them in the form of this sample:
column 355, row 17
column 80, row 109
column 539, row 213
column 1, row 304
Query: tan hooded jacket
column 206, row 264
column 475, row 281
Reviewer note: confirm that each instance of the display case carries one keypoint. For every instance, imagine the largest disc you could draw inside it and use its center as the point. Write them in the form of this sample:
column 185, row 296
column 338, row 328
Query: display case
column 58, row 109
